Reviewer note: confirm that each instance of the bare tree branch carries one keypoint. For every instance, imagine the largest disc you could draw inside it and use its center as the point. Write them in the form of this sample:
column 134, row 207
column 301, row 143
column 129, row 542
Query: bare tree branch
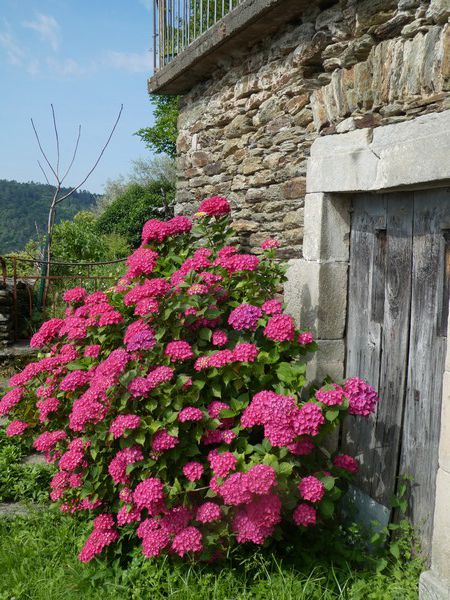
column 45, row 174
column 74, row 154
column 42, row 151
column 57, row 140
column 77, row 187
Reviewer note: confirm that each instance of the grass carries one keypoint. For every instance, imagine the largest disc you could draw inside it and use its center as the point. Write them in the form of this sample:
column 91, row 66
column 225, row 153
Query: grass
column 38, row 562
column 38, row 559
column 20, row 481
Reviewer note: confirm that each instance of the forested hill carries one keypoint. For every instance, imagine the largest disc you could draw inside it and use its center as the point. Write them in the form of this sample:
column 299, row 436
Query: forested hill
column 23, row 206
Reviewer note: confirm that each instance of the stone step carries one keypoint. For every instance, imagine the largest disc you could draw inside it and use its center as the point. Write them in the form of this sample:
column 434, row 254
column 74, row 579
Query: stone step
column 9, row 510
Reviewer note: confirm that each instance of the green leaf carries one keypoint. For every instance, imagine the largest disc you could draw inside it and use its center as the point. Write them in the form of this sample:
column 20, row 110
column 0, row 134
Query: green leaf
column 140, row 438
column 332, row 414
column 394, row 549
column 326, row 508
column 205, row 334
column 328, row 483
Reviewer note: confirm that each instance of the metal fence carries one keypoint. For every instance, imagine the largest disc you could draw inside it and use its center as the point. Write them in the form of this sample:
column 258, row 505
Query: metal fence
column 23, row 276
column 177, row 23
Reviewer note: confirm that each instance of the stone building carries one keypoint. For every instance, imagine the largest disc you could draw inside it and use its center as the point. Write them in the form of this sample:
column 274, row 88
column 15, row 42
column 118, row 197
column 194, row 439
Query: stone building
column 327, row 125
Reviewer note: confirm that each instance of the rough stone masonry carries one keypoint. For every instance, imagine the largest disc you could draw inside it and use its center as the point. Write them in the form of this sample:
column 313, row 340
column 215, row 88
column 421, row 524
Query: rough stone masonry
column 246, row 132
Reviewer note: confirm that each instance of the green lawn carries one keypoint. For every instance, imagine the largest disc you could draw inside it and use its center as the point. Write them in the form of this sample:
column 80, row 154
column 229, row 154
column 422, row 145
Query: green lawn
column 38, row 562
column 38, row 559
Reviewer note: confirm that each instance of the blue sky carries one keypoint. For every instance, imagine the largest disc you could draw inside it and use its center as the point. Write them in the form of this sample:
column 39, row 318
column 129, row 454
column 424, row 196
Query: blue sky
column 87, row 57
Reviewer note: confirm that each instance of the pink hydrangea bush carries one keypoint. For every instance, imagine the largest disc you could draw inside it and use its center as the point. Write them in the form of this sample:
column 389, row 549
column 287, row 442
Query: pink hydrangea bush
column 174, row 407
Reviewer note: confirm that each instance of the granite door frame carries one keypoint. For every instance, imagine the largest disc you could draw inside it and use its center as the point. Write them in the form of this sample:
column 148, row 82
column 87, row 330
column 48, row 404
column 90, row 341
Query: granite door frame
column 413, row 154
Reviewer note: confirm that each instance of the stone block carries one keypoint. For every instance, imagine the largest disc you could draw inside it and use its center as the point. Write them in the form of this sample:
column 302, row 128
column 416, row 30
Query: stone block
column 316, row 296
column 431, row 587
column 439, row 11
column 327, row 228
column 329, row 361
column 444, row 444
column 440, row 558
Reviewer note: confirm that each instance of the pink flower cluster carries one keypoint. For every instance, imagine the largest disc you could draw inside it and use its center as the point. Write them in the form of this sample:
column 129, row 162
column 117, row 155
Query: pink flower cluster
column 215, row 206
column 190, row 413
column 346, row 462
column 280, row 328
column 122, row 423
column 47, row 332
column 311, row 489
column 75, row 295
column 16, row 428
column 159, row 231
column 240, row 488
column 362, row 397
column 163, row 441
column 193, row 470
column 270, row 244
column 104, row 534
column 331, row 394
column 256, row 521
column 244, row 352
column 10, row 399
column 149, row 494
column 245, row 316
column 117, row 468
column 141, row 262
column 282, row 419
column 178, row 351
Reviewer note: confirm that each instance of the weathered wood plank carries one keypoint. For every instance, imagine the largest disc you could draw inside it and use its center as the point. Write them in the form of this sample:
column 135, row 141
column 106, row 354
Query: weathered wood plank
column 366, row 280
column 394, row 347
column 377, row 333
column 420, row 435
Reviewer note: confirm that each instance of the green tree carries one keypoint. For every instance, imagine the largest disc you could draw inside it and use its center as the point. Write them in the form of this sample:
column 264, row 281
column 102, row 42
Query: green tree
column 162, row 136
column 79, row 241
column 128, row 212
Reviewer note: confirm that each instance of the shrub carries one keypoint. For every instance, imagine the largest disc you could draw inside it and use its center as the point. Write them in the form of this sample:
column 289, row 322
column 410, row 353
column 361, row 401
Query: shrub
column 175, row 405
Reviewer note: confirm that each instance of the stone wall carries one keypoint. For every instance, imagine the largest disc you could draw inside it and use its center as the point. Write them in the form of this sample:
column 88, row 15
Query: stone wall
column 246, row 133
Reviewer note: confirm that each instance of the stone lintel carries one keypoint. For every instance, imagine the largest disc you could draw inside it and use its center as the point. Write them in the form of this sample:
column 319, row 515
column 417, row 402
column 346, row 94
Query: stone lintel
column 408, row 154
column 250, row 22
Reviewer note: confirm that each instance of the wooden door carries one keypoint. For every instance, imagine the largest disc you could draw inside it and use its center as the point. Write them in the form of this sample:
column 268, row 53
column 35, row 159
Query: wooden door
column 396, row 339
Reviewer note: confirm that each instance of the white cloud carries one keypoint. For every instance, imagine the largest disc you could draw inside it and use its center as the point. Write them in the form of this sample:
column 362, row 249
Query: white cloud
column 48, row 29
column 14, row 52
column 66, row 68
column 133, row 62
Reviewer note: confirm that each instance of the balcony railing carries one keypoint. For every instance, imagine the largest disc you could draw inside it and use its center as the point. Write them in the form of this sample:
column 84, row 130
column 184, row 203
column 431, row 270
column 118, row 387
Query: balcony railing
column 177, row 23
